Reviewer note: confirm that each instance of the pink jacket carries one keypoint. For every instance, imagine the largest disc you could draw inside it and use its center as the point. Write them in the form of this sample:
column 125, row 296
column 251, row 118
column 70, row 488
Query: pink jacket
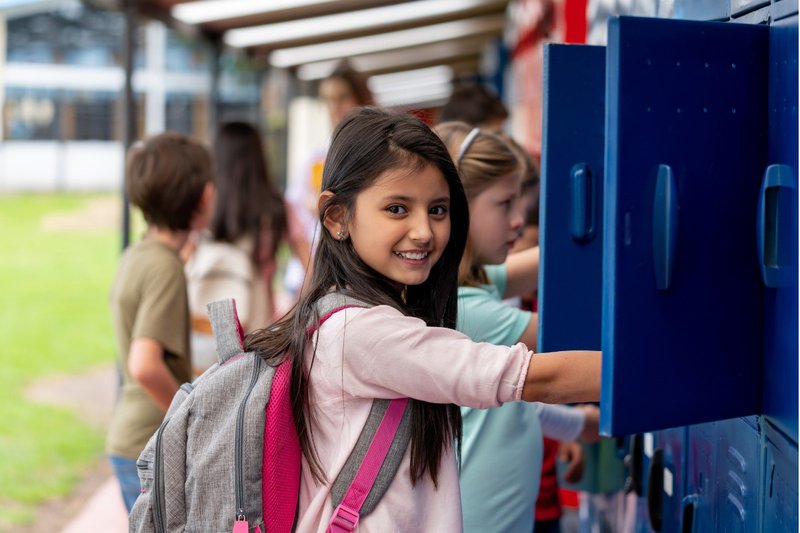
column 362, row 354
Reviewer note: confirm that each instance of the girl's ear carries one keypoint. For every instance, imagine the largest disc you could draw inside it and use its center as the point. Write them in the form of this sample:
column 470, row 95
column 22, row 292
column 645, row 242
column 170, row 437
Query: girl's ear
column 334, row 220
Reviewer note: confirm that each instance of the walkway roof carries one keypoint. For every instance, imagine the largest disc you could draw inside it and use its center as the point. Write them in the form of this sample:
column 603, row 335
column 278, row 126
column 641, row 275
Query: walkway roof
column 379, row 36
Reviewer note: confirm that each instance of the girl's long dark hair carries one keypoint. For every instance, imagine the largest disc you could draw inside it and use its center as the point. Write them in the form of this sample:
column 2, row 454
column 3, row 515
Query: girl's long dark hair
column 367, row 143
column 248, row 202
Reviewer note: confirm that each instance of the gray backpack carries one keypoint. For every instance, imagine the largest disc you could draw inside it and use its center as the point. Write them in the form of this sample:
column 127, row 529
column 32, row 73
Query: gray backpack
column 227, row 458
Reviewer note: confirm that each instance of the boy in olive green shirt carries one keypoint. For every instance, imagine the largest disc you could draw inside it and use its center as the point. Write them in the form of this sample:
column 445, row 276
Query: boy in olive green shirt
column 170, row 178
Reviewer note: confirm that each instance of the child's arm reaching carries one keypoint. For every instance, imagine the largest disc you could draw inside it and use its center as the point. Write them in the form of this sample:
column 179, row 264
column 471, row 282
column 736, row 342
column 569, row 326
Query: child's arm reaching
column 522, row 271
column 563, row 377
column 528, row 337
column 569, row 423
column 389, row 355
column 146, row 365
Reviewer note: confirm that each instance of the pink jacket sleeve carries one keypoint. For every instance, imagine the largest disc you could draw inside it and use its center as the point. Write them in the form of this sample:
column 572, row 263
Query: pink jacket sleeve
column 384, row 354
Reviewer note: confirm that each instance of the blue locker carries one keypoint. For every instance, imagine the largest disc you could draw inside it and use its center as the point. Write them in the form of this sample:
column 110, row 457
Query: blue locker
column 737, row 487
column 571, row 198
column 685, row 149
column 666, row 480
column 779, row 480
column 697, row 513
column 777, row 231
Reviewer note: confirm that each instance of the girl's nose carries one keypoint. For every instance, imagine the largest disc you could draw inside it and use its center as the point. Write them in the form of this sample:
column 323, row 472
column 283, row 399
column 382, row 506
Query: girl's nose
column 517, row 220
column 421, row 229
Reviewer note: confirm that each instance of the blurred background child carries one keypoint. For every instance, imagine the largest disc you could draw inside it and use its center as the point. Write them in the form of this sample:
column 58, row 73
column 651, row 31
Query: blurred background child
column 237, row 258
column 171, row 179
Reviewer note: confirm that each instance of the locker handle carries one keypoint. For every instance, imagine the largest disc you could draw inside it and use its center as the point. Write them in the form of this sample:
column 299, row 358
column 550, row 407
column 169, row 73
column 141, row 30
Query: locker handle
column 689, row 506
column 776, row 177
column 665, row 226
column 582, row 222
column 655, row 489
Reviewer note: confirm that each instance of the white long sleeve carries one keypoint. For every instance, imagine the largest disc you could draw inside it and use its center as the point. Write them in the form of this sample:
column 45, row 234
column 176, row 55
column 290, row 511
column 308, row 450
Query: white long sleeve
column 561, row 422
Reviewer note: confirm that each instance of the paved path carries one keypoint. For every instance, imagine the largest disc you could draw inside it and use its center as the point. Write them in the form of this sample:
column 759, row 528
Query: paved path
column 104, row 512
column 91, row 395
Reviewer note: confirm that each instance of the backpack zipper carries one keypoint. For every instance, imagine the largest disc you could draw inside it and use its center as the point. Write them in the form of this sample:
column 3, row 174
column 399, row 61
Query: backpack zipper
column 158, row 483
column 159, row 504
column 239, row 441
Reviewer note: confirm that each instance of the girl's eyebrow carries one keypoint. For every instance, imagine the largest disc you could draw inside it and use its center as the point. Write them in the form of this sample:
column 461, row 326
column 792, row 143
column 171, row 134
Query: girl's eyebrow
column 401, row 198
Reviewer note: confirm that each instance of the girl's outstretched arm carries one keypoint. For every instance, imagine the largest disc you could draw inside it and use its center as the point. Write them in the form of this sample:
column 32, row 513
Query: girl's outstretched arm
column 522, row 271
column 528, row 337
column 563, row 377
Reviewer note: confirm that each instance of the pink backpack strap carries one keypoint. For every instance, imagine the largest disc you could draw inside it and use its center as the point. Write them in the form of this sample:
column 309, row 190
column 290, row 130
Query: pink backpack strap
column 282, row 455
column 374, row 461
column 346, row 515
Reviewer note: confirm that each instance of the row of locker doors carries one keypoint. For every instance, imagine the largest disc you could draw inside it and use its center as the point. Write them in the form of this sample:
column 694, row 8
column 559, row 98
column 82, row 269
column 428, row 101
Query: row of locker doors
column 669, row 240
column 737, row 475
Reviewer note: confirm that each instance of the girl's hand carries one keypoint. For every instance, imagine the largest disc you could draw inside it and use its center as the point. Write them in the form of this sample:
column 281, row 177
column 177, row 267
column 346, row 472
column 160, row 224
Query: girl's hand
column 572, row 454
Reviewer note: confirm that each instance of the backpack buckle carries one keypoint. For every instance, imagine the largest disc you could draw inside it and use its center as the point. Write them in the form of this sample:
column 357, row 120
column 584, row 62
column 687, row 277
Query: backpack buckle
column 344, row 519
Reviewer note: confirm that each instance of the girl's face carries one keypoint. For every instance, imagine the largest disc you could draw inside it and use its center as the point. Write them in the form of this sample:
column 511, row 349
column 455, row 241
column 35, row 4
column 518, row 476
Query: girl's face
column 401, row 224
column 338, row 98
column 495, row 220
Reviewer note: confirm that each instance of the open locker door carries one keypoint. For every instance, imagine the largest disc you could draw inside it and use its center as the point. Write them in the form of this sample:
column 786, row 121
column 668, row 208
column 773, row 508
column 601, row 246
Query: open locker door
column 570, row 227
column 685, row 150
column 777, row 227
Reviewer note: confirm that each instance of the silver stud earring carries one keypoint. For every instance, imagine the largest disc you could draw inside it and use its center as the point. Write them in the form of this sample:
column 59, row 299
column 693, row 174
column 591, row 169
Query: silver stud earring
column 340, row 234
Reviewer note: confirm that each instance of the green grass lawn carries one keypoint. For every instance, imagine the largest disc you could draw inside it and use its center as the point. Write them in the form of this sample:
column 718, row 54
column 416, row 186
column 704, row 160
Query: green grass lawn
column 54, row 318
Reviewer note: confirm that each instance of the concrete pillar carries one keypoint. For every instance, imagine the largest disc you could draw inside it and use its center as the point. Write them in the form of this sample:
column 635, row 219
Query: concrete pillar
column 155, row 119
column 2, row 74
column 129, row 115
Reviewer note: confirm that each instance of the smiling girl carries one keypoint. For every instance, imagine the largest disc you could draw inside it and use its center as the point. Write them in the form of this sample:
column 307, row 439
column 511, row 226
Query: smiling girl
column 395, row 221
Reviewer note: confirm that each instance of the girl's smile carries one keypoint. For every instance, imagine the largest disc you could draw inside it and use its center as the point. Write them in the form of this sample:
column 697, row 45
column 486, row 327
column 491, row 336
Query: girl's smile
column 401, row 224
column 413, row 257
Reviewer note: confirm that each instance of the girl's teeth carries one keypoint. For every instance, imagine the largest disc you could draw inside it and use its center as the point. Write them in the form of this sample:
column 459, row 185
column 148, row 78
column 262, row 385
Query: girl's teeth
column 412, row 256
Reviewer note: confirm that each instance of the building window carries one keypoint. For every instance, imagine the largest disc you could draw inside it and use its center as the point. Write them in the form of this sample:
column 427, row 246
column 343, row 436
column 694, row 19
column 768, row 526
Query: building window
column 31, row 115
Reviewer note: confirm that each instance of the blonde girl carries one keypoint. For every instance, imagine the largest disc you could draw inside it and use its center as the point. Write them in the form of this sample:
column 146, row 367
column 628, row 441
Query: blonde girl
column 499, row 489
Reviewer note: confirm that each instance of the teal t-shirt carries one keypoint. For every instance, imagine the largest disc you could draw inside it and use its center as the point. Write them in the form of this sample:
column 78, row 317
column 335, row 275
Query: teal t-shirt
column 501, row 454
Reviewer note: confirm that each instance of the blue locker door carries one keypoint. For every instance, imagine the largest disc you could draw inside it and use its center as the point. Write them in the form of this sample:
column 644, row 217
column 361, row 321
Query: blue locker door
column 665, row 488
column 737, row 490
column 698, row 507
column 571, row 198
column 780, row 482
column 682, row 296
column 778, row 222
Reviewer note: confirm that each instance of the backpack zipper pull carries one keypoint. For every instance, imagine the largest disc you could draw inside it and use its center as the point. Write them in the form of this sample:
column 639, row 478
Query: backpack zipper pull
column 241, row 525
